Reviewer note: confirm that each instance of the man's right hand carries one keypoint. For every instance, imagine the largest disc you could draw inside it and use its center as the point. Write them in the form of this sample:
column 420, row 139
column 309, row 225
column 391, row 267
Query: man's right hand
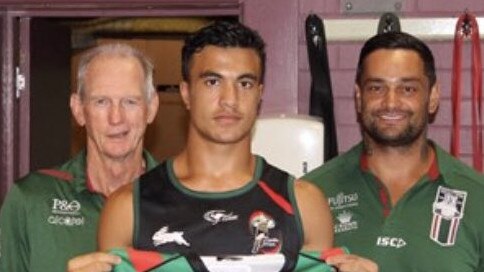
column 352, row 263
column 93, row 262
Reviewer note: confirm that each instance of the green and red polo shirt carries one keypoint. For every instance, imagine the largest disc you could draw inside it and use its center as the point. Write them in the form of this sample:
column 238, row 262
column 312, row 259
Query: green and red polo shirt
column 50, row 216
column 437, row 225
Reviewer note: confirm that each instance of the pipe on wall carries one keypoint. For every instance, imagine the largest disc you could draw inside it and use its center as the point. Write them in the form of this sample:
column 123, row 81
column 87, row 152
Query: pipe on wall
column 429, row 29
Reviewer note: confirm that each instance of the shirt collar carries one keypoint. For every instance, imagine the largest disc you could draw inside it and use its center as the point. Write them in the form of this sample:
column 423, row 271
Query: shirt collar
column 77, row 166
column 433, row 172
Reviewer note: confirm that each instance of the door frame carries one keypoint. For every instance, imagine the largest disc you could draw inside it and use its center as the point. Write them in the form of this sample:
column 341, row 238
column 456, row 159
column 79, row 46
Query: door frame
column 14, row 31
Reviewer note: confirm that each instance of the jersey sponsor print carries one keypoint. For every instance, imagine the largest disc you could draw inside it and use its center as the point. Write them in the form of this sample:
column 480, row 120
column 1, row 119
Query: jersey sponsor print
column 219, row 216
column 66, row 213
column 386, row 241
column 341, row 205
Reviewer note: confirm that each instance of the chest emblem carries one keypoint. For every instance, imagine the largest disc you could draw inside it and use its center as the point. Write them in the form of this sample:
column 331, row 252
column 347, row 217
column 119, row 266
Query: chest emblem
column 344, row 222
column 343, row 201
column 218, row 216
column 448, row 210
column 162, row 237
column 65, row 213
column 262, row 226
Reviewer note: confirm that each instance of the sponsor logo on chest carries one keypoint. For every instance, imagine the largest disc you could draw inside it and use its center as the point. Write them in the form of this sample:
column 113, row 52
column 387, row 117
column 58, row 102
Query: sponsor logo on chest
column 343, row 201
column 387, row 241
column 448, row 210
column 65, row 213
column 219, row 216
column 344, row 222
column 341, row 205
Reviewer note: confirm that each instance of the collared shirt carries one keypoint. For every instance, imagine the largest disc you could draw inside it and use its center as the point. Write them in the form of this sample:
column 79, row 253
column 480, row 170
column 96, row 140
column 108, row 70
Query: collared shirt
column 50, row 216
column 437, row 225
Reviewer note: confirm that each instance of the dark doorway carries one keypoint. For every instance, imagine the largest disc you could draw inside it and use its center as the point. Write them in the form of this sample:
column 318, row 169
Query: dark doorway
column 57, row 43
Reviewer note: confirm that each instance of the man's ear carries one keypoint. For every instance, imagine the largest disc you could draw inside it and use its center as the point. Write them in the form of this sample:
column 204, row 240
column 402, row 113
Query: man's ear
column 153, row 105
column 357, row 98
column 185, row 94
column 77, row 109
column 434, row 98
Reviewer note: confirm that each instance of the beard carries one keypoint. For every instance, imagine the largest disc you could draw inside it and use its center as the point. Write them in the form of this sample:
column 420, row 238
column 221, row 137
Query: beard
column 385, row 137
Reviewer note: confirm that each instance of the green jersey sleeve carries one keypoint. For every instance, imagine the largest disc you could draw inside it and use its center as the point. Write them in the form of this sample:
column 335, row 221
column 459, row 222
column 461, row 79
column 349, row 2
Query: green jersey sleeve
column 14, row 249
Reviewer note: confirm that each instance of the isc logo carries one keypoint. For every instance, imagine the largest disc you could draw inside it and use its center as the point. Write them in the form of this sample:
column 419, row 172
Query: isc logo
column 385, row 241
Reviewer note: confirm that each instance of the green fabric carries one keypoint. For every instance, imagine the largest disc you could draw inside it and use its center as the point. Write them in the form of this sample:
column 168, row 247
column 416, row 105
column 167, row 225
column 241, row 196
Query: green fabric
column 401, row 241
column 45, row 220
column 311, row 263
column 308, row 261
column 172, row 262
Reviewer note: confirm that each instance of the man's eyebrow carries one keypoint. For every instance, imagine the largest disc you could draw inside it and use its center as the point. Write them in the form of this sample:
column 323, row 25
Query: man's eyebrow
column 248, row 76
column 411, row 79
column 373, row 80
column 209, row 74
column 403, row 79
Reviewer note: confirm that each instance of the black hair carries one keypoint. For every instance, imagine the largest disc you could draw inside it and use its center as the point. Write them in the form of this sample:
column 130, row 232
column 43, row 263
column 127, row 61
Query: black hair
column 398, row 40
column 222, row 34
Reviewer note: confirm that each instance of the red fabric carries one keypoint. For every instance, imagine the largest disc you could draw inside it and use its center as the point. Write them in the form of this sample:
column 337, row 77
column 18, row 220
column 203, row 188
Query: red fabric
column 57, row 173
column 332, row 252
column 144, row 260
column 281, row 201
column 434, row 172
column 467, row 27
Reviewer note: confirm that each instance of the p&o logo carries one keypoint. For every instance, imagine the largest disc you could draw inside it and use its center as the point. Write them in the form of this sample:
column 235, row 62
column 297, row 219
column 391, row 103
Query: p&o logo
column 65, row 213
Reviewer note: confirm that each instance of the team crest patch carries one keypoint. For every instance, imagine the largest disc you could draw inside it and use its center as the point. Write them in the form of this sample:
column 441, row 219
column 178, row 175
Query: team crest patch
column 448, row 210
column 262, row 226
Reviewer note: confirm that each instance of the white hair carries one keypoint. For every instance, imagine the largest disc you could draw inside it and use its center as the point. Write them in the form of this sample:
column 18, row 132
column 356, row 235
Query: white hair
column 116, row 49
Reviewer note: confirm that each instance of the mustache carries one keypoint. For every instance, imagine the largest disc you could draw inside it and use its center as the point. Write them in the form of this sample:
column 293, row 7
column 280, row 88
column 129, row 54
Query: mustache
column 232, row 113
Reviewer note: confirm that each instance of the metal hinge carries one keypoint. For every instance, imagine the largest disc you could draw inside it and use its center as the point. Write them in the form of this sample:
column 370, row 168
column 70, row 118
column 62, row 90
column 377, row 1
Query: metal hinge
column 19, row 82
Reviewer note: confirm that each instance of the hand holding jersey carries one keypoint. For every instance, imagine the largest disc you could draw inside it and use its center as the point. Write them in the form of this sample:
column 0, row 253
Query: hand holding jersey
column 144, row 261
column 350, row 262
column 93, row 262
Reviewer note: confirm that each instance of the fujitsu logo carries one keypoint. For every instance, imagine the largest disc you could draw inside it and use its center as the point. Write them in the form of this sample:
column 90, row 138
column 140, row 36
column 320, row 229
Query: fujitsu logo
column 341, row 200
column 217, row 216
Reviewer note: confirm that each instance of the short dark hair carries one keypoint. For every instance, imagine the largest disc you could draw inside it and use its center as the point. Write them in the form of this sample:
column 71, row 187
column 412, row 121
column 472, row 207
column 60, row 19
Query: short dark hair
column 398, row 40
column 222, row 34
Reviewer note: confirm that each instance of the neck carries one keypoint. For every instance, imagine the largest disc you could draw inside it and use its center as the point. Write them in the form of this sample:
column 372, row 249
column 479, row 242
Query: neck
column 107, row 174
column 208, row 166
column 399, row 168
